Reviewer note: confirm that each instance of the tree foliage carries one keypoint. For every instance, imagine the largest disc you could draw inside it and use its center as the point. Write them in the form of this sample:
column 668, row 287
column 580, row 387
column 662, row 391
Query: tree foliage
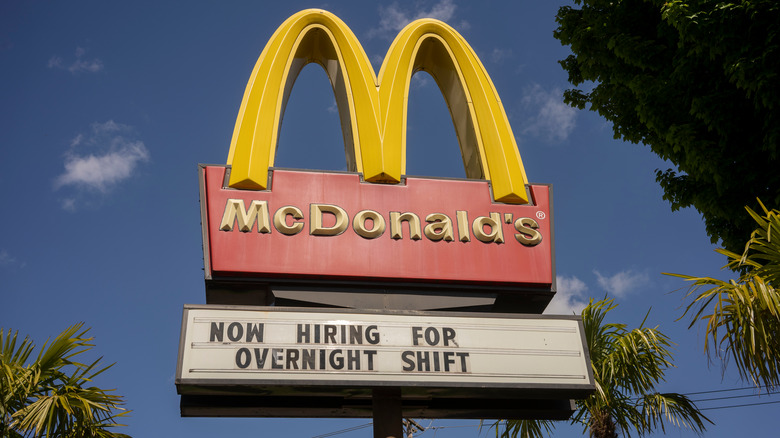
column 627, row 365
column 743, row 316
column 697, row 82
column 50, row 396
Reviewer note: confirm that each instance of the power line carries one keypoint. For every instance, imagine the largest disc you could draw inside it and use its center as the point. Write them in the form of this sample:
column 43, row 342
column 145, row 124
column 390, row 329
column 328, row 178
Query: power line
column 435, row 428
column 363, row 426
column 450, row 427
column 739, row 406
column 719, row 390
column 339, row 432
column 734, row 396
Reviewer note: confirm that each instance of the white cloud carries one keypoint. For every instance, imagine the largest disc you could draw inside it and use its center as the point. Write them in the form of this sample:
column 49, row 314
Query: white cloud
column 570, row 297
column 551, row 118
column 55, row 62
column 420, row 80
column 79, row 65
column 110, row 127
column 7, row 260
column 68, row 204
column 112, row 157
column 103, row 171
column 499, row 55
column 77, row 140
column 394, row 17
column 622, row 283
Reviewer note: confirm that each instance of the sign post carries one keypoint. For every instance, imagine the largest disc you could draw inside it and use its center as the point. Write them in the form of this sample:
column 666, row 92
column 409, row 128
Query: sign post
column 368, row 292
column 388, row 418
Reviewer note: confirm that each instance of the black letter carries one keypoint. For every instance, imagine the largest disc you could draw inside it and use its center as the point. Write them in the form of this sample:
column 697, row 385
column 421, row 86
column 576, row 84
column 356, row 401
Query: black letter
column 355, row 334
column 254, row 332
column 217, row 331
column 416, row 335
column 261, row 359
column 372, row 336
column 330, row 334
column 238, row 332
column 307, row 359
column 353, row 360
column 303, row 333
column 292, row 359
column 243, row 357
column 336, row 362
column 448, row 360
column 449, row 335
column 408, row 358
column 432, row 339
column 277, row 357
column 463, row 357
column 370, row 354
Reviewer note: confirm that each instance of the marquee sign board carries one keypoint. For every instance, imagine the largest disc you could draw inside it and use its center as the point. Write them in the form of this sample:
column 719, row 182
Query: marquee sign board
column 281, row 351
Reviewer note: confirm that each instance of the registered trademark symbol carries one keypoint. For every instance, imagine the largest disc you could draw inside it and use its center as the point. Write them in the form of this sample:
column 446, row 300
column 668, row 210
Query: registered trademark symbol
column 540, row 215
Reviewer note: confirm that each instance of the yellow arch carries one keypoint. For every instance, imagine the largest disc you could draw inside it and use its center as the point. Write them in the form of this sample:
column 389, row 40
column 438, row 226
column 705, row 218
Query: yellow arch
column 373, row 112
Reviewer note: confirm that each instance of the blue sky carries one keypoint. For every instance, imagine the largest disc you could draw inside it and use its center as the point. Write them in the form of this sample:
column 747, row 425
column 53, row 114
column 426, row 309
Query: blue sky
column 108, row 107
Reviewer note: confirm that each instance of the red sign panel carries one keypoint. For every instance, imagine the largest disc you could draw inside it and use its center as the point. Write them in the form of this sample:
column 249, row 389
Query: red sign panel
column 332, row 226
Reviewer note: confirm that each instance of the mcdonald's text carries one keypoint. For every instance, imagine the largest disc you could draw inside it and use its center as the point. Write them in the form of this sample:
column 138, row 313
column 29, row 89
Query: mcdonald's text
column 369, row 224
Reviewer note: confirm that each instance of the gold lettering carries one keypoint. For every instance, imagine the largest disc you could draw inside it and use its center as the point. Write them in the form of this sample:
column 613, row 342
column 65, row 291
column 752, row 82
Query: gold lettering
column 315, row 226
column 235, row 210
column 359, row 224
column 463, row 226
column 439, row 227
column 280, row 220
column 527, row 235
column 496, row 234
column 289, row 220
column 396, row 229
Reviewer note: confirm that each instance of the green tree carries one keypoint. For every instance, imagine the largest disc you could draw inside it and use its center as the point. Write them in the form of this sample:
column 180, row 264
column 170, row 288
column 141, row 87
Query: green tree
column 627, row 365
column 49, row 397
column 696, row 81
column 742, row 316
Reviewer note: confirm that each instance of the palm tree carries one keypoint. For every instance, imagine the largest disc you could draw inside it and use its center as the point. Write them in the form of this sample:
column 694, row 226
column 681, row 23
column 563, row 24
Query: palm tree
column 49, row 397
column 627, row 365
column 743, row 316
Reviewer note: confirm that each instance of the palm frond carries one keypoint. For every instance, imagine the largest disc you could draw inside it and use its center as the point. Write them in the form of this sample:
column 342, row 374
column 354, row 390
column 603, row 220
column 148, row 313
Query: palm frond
column 627, row 365
column 742, row 316
column 675, row 409
column 527, row 429
column 52, row 395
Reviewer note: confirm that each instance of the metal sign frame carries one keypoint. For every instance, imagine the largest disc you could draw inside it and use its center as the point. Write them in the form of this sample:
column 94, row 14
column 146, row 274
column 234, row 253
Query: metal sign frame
column 519, row 272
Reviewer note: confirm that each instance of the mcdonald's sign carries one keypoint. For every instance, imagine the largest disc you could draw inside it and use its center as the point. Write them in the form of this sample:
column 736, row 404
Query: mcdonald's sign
column 373, row 224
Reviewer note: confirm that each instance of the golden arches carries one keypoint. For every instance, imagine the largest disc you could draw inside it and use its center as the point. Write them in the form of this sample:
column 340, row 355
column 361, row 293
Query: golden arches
column 373, row 112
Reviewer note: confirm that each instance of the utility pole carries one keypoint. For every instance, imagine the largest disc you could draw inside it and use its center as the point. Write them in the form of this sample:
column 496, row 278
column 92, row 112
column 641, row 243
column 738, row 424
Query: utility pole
column 412, row 427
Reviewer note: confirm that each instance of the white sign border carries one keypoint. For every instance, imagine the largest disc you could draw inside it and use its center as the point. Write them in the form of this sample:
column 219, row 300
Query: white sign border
column 188, row 385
